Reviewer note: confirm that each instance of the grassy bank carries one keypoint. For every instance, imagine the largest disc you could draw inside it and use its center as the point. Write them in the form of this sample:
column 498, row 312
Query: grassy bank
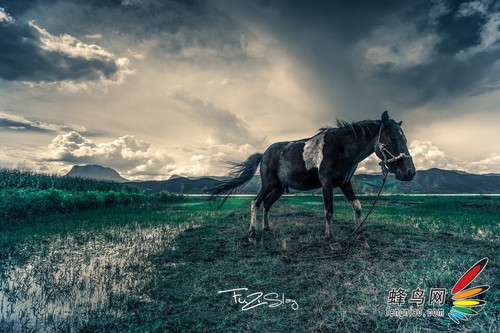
column 25, row 194
column 161, row 269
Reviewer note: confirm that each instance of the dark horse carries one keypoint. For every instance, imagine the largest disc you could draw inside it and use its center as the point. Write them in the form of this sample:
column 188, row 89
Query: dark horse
column 326, row 160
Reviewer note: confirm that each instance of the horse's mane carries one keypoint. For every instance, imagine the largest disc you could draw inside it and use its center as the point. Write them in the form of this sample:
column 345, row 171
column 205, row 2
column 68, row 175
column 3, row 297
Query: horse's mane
column 357, row 127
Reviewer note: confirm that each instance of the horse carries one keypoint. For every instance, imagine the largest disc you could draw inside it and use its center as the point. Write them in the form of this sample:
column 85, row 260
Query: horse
column 326, row 160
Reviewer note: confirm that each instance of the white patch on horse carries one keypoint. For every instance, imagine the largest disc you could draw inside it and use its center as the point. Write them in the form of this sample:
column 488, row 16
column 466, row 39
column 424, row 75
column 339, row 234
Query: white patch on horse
column 313, row 151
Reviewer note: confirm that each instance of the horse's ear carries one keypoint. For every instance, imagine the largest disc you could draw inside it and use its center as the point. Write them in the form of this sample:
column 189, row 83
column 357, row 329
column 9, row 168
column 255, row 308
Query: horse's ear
column 385, row 118
column 400, row 123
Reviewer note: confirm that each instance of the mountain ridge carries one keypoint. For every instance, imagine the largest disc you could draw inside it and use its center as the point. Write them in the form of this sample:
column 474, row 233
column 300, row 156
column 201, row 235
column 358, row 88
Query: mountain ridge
column 431, row 181
column 95, row 171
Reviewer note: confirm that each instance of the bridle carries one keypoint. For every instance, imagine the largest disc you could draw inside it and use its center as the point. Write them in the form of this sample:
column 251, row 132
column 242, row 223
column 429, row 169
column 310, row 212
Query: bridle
column 384, row 152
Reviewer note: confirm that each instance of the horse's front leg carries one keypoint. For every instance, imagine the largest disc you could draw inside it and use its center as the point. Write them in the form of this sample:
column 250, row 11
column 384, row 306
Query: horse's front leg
column 356, row 207
column 328, row 202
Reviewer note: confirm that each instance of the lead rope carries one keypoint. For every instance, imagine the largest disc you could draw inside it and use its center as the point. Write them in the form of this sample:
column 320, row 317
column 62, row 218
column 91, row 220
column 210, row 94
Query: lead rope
column 385, row 172
column 286, row 257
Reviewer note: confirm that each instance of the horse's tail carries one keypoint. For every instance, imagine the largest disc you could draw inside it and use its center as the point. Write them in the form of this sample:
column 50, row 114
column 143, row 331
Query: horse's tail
column 240, row 173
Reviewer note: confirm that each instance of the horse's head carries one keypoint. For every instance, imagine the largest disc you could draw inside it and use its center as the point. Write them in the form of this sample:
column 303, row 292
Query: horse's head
column 391, row 148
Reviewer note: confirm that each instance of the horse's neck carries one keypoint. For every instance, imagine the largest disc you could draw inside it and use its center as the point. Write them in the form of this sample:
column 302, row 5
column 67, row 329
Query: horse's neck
column 366, row 141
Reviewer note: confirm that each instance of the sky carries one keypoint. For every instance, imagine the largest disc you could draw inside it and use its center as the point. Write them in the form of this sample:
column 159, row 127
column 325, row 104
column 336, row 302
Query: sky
column 159, row 88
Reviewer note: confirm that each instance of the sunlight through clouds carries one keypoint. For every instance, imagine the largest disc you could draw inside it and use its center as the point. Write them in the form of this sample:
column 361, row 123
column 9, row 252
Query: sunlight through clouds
column 202, row 83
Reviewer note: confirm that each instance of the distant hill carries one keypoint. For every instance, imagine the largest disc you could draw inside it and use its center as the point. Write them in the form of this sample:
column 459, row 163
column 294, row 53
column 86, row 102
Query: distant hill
column 432, row 181
column 95, row 172
column 177, row 184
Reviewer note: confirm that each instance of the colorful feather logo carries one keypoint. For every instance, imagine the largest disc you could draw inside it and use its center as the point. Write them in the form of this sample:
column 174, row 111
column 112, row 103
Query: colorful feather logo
column 461, row 298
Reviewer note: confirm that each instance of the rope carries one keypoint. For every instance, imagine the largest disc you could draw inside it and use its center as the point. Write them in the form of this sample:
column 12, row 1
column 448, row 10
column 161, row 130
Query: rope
column 385, row 170
column 371, row 208
column 286, row 256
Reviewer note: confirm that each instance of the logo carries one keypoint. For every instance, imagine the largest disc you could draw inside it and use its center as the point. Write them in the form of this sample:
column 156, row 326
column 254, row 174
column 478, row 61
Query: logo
column 462, row 302
column 465, row 303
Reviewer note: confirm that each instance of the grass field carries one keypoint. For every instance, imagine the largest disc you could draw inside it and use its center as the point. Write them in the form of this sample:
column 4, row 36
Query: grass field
column 160, row 268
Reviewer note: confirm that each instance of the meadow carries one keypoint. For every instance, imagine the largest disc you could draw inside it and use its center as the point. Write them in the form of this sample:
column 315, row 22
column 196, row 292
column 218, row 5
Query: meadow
column 170, row 267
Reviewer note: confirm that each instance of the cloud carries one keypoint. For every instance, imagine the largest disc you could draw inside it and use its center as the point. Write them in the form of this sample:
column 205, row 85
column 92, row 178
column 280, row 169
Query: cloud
column 403, row 56
column 127, row 154
column 5, row 17
column 490, row 164
column 31, row 54
column 135, row 159
column 94, row 36
column 19, row 123
column 489, row 36
column 211, row 161
column 251, row 73
column 223, row 125
column 427, row 155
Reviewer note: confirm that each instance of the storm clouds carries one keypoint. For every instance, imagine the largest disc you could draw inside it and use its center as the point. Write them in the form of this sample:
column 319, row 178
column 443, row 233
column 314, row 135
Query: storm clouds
column 203, row 82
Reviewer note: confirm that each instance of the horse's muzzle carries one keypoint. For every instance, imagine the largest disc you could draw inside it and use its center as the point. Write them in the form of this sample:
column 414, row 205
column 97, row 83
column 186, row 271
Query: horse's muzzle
column 410, row 173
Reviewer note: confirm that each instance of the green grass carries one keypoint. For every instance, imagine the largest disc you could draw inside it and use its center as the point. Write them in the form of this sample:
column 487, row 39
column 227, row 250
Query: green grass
column 14, row 178
column 177, row 257
column 26, row 194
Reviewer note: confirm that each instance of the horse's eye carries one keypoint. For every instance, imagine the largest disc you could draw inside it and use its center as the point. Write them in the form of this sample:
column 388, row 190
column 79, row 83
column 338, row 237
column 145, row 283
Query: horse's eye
column 393, row 140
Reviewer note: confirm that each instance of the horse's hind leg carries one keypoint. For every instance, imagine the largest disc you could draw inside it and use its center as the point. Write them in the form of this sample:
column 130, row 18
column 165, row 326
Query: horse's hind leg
column 328, row 202
column 356, row 207
column 254, row 207
column 253, row 219
column 269, row 202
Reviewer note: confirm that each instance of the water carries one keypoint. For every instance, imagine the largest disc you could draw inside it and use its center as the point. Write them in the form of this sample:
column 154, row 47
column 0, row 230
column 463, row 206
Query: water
column 72, row 277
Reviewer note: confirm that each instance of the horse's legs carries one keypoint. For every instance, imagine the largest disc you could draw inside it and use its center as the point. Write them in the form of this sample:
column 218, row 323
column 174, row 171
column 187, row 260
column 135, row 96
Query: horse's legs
column 269, row 202
column 264, row 192
column 356, row 207
column 328, row 202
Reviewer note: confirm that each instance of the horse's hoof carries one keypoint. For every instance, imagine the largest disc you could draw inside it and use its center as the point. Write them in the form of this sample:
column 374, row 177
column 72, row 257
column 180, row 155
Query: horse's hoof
column 361, row 238
column 335, row 247
column 363, row 244
column 251, row 236
column 251, row 233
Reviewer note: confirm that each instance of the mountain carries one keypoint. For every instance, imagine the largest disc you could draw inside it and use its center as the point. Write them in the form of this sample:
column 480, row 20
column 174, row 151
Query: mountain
column 432, row 181
column 445, row 181
column 177, row 184
column 96, row 172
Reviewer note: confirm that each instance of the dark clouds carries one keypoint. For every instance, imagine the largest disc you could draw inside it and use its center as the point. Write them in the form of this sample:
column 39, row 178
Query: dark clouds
column 10, row 122
column 427, row 51
column 30, row 53
column 293, row 66
column 336, row 40
column 172, row 25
